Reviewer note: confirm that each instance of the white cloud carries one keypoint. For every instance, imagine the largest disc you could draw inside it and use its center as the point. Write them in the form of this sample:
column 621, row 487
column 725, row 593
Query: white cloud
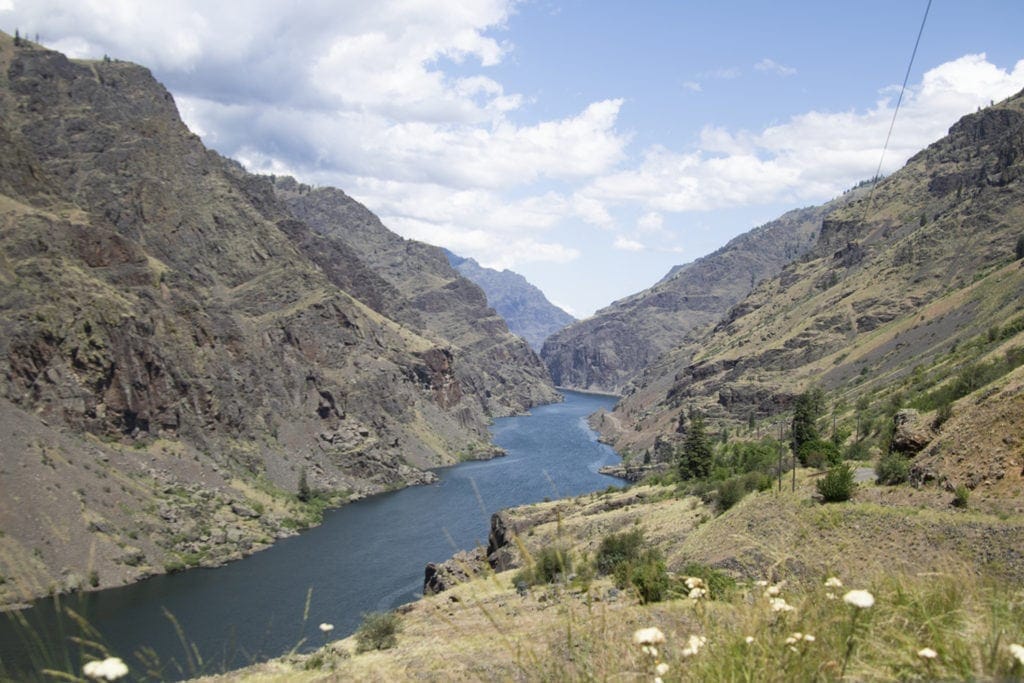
column 771, row 66
column 651, row 222
column 626, row 244
column 811, row 157
column 693, row 86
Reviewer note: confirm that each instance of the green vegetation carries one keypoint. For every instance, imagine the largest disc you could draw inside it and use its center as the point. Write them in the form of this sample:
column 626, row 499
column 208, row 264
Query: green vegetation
column 379, row 631
column 695, row 456
column 551, row 563
column 616, row 549
column 960, row 496
column 837, row 485
column 646, row 574
column 892, row 469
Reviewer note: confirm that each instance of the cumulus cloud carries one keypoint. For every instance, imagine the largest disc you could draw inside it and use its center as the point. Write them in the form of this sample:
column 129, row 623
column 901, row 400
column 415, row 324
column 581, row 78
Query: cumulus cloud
column 396, row 102
column 771, row 66
column 810, row 157
column 626, row 244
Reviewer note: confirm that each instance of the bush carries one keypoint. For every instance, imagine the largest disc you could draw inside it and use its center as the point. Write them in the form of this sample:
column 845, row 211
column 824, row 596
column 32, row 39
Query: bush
column 647, row 574
column 818, row 453
column 618, row 548
column 719, row 584
column 858, row 450
column 379, row 631
column 730, row 492
column 942, row 414
column 892, row 469
column 960, row 496
column 550, row 563
column 837, row 485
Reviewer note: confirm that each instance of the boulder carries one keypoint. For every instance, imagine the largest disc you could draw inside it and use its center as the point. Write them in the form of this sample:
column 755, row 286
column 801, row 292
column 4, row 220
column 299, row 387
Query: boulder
column 912, row 432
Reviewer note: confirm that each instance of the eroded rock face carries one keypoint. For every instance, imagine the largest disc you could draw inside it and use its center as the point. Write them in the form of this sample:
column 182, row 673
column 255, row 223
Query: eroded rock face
column 166, row 302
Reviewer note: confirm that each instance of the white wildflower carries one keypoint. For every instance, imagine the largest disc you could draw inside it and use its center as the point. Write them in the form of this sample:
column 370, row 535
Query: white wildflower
column 661, row 669
column 649, row 636
column 833, row 582
column 693, row 645
column 1018, row 652
column 773, row 591
column 927, row 653
column 749, row 640
column 762, row 583
column 326, row 628
column 780, row 605
column 650, row 650
column 808, row 638
column 109, row 669
column 794, row 639
column 694, row 582
column 697, row 593
column 830, row 595
column 860, row 599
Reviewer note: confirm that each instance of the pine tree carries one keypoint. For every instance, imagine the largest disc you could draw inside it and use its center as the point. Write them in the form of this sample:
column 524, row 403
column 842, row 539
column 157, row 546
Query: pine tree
column 695, row 457
column 304, row 492
column 17, row 38
column 806, row 411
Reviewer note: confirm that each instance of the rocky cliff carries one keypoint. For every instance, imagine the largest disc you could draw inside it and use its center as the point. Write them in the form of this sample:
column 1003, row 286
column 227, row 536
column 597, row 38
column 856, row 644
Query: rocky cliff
column 183, row 342
column 524, row 307
column 605, row 352
column 908, row 290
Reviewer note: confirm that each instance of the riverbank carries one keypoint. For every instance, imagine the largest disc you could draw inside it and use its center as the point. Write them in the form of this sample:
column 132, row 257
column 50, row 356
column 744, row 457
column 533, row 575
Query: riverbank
column 365, row 557
column 941, row 578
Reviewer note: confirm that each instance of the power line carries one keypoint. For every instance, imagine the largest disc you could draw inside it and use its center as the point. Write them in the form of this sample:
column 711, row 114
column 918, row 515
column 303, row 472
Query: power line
column 899, row 101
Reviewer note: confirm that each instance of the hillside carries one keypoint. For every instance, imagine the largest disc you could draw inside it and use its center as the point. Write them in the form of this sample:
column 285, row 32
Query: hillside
column 182, row 351
column 905, row 289
column 608, row 350
column 524, row 307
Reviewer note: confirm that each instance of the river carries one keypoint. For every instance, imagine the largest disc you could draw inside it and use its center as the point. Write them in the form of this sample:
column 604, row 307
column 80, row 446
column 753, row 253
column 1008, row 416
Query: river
column 366, row 556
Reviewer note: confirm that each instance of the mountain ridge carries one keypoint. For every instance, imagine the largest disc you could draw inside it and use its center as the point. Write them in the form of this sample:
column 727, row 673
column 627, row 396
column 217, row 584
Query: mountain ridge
column 181, row 350
column 524, row 307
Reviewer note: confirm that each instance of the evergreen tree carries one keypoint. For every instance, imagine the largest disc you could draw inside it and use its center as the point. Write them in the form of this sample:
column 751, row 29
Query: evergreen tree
column 695, row 457
column 304, row 493
column 17, row 38
column 1019, row 251
column 806, row 411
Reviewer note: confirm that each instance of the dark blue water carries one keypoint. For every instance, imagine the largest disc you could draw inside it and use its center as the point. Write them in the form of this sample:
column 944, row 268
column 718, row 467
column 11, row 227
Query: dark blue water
column 366, row 556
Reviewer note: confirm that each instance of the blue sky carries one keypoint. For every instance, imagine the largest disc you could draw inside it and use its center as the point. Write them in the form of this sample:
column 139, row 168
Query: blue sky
column 591, row 145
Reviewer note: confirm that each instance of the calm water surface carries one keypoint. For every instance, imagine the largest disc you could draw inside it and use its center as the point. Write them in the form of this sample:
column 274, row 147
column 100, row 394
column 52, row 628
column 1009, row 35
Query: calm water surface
column 366, row 556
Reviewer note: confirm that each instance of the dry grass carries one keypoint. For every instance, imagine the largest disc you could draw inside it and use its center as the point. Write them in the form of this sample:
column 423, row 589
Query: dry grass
column 929, row 569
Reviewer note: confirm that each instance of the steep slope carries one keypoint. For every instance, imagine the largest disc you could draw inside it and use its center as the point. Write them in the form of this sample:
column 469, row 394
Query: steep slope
column 605, row 352
column 496, row 369
column 903, row 290
column 527, row 311
column 172, row 354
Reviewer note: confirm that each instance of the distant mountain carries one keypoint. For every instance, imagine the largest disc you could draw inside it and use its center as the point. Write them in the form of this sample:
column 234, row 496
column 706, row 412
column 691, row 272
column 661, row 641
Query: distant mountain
column 195, row 359
column 523, row 306
column 605, row 352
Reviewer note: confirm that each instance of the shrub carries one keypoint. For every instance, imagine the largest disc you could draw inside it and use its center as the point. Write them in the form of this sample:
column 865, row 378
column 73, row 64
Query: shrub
column 942, row 414
column 892, row 469
column 858, row 450
column 730, row 492
column 647, row 574
column 550, row 563
column 837, row 485
column 379, row 631
column 719, row 584
column 818, row 453
column 960, row 496
column 618, row 548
